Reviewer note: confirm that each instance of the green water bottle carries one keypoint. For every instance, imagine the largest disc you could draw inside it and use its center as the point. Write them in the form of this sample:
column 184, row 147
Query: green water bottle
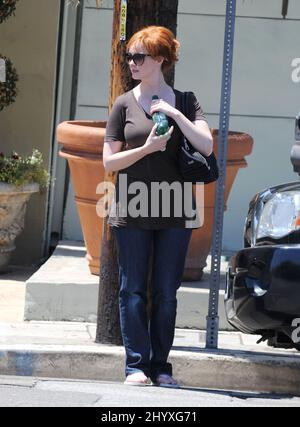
column 161, row 120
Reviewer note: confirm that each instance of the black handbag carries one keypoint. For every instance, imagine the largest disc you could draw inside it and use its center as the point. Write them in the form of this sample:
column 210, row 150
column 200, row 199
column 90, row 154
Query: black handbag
column 194, row 166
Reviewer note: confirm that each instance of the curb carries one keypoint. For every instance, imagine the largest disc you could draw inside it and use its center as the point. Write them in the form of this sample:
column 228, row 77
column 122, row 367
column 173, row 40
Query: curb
column 222, row 369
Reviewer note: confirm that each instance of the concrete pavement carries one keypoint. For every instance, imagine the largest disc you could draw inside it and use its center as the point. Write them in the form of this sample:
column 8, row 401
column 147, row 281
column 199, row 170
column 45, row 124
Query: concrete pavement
column 64, row 289
column 68, row 350
column 46, row 392
column 12, row 293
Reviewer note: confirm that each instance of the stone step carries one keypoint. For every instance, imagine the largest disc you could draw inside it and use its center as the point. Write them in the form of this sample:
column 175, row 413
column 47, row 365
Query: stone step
column 64, row 290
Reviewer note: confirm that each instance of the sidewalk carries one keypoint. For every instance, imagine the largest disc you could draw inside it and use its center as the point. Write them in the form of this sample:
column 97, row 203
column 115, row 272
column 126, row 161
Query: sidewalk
column 63, row 289
column 68, row 350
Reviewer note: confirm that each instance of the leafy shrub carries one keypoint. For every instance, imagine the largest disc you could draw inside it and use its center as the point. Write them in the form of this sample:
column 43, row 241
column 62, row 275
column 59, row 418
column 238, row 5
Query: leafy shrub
column 19, row 170
column 7, row 8
column 8, row 89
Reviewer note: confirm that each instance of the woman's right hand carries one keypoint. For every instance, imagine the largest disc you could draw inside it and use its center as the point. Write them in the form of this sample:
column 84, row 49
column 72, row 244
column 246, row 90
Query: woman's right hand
column 157, row 143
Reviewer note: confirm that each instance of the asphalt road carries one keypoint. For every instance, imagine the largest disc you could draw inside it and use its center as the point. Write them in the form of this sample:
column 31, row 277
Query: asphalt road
column 41, row 392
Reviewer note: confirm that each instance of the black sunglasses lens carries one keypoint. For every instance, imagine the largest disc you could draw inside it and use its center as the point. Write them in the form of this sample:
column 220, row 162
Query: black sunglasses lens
column 137, row 58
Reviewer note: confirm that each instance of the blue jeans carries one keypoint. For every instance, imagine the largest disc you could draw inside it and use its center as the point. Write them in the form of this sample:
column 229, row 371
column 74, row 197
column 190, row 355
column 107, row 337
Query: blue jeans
column 148, row 341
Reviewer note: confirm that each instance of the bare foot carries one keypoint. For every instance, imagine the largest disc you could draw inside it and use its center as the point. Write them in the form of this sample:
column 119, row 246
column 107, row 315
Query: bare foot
column 165, row 380
column 138, row 378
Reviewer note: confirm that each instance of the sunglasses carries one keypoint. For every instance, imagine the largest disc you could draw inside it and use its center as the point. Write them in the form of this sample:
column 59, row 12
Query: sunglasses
column 137, row 58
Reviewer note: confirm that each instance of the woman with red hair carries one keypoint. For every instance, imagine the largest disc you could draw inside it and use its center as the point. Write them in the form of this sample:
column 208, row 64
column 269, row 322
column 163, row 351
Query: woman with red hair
column 139, row 221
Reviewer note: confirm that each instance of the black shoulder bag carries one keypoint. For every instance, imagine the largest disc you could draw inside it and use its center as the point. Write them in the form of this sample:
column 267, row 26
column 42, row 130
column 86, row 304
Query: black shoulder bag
column 194, row 166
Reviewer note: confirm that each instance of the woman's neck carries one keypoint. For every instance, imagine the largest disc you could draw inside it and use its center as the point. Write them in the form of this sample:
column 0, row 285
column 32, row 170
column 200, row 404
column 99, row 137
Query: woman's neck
column 158, row 86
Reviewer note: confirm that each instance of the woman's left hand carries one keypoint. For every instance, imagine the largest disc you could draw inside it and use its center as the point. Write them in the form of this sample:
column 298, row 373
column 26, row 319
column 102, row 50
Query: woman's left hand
column 164, row 107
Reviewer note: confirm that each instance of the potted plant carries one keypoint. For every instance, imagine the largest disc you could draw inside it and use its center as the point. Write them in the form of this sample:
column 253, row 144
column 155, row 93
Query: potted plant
column 20, row 177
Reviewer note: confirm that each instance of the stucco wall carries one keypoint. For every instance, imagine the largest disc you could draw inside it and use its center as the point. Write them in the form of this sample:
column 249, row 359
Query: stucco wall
column 29, row 39
column 264, row 98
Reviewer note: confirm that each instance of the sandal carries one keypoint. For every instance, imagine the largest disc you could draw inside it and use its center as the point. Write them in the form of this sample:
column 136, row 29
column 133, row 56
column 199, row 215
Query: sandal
column 137, row 379
column 166, row 380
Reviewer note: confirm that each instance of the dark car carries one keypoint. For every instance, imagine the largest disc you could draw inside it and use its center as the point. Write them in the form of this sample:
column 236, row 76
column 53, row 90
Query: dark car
column 263, row 279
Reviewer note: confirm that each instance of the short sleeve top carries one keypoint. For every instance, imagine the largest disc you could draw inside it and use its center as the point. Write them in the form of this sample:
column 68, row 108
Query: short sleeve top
column 130, row 124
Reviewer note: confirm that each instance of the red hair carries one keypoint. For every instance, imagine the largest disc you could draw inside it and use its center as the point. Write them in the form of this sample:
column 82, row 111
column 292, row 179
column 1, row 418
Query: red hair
column 158, row 41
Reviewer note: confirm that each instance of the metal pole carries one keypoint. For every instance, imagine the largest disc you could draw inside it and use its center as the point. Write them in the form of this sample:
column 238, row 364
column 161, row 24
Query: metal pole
column 285, row 6
column 213, row 317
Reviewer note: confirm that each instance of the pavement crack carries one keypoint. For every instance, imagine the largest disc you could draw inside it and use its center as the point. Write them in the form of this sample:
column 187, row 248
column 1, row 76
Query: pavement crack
column 10, row 383
column 96, row 401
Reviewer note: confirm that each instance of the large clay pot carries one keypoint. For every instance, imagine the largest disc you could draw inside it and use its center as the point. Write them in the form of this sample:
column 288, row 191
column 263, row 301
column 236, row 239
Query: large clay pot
column 239, row 145
column 82, row 147
column 13, row 202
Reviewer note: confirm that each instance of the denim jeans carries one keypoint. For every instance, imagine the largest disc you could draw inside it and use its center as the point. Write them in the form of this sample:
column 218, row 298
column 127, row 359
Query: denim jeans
column 148, row 342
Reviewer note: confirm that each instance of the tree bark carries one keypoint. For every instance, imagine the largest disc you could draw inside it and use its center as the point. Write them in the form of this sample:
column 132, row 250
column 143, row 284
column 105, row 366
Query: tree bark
column 140, row 13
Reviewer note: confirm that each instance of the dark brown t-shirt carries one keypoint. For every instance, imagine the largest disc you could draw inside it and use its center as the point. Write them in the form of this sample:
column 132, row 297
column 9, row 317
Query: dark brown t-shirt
column 130, row 124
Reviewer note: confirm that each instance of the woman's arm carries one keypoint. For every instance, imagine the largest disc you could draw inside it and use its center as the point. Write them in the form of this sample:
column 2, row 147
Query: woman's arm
column 197, row 132
column 114, row 159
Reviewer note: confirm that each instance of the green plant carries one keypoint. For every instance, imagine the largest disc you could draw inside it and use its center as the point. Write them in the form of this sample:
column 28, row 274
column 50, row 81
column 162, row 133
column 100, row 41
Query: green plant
column 76, row 3
column 8, row 89
column 19, row 170
column 7, row 8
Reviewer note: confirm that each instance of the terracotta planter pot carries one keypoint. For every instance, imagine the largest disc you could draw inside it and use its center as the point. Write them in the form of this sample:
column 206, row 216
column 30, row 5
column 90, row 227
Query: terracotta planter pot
column 239, row 145
column 13, row 202
column 82, row 147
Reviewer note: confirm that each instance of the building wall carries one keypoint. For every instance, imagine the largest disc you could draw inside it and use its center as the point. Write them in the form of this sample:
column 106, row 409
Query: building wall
column 30, row 40
column 265, row 100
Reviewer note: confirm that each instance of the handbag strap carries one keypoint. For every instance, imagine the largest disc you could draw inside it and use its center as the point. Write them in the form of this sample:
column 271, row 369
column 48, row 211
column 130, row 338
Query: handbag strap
column 184, row 103
column 187, row 104
column 186, row 112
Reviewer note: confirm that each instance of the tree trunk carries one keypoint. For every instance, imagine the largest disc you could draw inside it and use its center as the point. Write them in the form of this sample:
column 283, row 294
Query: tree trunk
column 140, row 13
